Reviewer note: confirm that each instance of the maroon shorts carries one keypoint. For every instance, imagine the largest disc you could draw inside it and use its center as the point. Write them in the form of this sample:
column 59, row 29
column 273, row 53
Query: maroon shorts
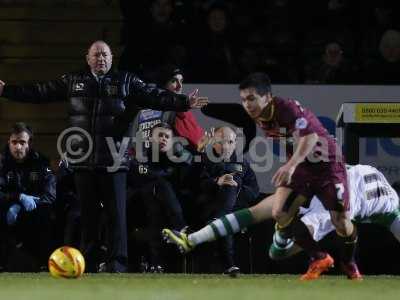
column 327, row 181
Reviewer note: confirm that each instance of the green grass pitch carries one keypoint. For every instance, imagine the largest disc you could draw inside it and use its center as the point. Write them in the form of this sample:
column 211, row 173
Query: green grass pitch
column 15, row 286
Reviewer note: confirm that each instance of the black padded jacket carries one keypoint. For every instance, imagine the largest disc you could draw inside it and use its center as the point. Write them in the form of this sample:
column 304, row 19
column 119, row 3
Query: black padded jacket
column 102, row 107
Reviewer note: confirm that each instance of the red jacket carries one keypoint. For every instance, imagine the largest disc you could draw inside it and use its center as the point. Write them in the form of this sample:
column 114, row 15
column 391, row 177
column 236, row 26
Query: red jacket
column 186, row 126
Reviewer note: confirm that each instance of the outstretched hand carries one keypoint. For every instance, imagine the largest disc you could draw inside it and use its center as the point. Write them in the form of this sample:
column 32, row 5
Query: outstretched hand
column 196, row 101
column 2, row 84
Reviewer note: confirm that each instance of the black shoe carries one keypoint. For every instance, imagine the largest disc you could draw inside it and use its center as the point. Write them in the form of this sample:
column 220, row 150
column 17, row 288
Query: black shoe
column 43, row 268
column 156, row 269
column 144, row 265
column 112, row 267
column 102, row 267
column 232, row 271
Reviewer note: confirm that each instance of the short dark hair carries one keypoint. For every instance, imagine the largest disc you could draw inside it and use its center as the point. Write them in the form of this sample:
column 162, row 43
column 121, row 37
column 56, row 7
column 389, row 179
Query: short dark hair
column 20, row 127
column 259, row 81
column 163, row 125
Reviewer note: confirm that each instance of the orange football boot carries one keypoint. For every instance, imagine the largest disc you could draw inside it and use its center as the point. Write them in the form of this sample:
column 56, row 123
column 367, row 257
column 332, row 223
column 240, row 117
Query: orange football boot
column 317, row 267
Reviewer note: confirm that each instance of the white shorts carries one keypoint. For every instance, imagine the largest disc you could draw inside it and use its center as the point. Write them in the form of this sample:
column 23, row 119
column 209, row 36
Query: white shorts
column 319, row 219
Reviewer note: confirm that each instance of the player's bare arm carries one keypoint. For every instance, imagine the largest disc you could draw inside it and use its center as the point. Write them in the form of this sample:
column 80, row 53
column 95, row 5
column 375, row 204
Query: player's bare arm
column 304, row 147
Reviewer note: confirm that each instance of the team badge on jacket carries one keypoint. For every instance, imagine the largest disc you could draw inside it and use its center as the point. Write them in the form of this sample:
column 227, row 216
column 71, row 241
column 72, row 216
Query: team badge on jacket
column 79, row 86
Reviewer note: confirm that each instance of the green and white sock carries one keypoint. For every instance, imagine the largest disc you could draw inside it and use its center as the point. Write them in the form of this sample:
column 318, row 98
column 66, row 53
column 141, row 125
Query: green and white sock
column 226, row 225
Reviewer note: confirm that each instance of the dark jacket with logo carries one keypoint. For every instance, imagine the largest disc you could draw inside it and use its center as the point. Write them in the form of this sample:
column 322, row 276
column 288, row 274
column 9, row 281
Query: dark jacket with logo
column 32, row 177
column 103, row 108
column 241, row 170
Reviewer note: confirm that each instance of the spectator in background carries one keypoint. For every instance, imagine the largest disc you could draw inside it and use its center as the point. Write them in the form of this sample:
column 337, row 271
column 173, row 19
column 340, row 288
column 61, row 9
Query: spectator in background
column 216, row 49
column 134, row 14
column 386, row 68
column 160, row 33
column 256, row 56
column 27, row 196
column 376, row 18
column 332, row 68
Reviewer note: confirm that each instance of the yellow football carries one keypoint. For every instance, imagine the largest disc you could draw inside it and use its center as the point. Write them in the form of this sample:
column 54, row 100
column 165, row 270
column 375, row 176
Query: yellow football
column 66, row 262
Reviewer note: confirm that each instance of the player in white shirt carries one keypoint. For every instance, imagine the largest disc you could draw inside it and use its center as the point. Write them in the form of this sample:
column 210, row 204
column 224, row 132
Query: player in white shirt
column 372, row 200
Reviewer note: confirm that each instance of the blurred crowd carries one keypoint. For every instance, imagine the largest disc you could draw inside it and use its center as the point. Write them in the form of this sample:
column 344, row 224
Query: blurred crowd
column 312, row 42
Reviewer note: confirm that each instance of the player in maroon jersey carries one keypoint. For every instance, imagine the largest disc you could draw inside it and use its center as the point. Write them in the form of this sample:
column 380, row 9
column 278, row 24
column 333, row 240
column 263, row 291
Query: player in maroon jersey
column 315, row 167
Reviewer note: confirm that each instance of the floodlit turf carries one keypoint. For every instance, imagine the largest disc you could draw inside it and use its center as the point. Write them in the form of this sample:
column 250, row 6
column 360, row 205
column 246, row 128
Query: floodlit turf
column 192, row 287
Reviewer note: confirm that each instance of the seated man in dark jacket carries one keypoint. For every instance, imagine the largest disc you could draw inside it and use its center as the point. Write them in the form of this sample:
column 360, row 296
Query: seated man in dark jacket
column 225, row 182
column 27, row 194
column 158, row 177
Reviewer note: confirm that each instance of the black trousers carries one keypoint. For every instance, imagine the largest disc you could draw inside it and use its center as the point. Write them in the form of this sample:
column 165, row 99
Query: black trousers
column 108, row 190
column 163, row 209
column 166, row 196
column 34, row 229
column 215, row 205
